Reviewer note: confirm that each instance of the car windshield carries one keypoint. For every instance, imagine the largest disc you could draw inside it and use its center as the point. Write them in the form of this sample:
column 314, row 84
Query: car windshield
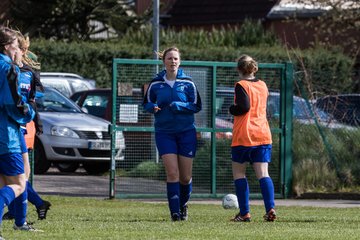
column 53, row 101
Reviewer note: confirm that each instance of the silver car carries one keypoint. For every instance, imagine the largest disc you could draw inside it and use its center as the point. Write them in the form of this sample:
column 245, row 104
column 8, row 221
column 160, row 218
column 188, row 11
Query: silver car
column 72, row 137
column 66, row 83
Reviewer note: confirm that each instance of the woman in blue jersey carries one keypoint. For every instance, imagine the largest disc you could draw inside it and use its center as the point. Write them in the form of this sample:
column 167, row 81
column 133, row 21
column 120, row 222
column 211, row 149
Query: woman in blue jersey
column 173, row 99
column 28, row 82
column 13, row 113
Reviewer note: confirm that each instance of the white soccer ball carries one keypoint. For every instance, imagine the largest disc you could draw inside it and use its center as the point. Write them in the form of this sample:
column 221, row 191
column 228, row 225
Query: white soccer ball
column 230, row 201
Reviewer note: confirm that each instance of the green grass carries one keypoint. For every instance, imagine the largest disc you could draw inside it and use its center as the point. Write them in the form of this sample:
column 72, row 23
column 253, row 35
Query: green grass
column 82, row 218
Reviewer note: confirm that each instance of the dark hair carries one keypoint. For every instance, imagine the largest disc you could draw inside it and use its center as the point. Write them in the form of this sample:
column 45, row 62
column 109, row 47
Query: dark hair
column 7, row 36
column 162, row 54
column 247, row 65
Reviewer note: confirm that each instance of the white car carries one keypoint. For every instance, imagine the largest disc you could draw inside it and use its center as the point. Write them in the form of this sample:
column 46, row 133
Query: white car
column 71, row 137
column 66, row 83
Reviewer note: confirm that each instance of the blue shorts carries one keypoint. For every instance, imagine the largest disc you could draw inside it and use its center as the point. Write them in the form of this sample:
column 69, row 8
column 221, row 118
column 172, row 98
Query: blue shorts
column 183, row 143
column 11, row 164
column 241, row 154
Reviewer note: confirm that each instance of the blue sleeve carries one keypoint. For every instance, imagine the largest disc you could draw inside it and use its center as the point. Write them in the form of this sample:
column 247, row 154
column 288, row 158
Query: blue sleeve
column 194, row 104
column 9, row 105
column 149, row 100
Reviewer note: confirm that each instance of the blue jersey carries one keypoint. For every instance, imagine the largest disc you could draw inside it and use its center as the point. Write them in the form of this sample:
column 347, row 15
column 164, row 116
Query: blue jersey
column 178, row 103
column 10, row 116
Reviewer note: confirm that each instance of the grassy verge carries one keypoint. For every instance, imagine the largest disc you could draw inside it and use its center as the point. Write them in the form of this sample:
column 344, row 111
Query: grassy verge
column 81, row 218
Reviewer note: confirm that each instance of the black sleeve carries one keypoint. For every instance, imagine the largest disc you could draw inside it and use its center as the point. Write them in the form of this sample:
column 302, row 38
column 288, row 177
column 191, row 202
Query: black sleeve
column 242, row 102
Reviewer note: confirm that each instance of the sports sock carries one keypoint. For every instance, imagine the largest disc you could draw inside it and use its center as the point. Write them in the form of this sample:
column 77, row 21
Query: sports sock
column 7, row 195
column 20, row 204
column 173, row 192
column 242, row 193
column 185, row 193
column 267, row 191
column 11, row 208
column 33, row 196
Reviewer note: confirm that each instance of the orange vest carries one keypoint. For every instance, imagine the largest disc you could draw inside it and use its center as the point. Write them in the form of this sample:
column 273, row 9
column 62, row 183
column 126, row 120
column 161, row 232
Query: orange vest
column 30, row 136
column 252, row 128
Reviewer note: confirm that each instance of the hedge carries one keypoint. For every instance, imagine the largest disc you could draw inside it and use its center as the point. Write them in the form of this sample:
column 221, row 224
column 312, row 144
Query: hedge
column 328, row 71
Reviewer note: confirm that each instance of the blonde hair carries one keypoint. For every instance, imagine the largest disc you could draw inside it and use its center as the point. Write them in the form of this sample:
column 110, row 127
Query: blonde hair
column 247, row 65
column 162, row 54
column 29, row 57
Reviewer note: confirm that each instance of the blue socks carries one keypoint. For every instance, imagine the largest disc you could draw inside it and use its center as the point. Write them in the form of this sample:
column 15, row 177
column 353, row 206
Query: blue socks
column 20, row 205
column 7, row 195
column 267, row 191
column 242, row 193
column 33, row 196
column 173, row 192
column 185, row 193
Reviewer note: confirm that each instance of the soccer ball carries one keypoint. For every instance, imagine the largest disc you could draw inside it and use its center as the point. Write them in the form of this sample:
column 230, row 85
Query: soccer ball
column 230, row 201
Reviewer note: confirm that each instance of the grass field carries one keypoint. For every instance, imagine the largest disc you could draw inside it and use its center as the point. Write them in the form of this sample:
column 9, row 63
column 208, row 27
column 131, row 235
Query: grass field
column 82, row 218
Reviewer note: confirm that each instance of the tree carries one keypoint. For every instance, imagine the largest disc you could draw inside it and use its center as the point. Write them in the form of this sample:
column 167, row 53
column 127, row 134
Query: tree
column 73, row 19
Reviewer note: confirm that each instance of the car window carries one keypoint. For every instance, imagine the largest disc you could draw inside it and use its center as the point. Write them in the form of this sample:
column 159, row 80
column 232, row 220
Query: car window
column 96, row 104
column 53, row 101
column 61, row 86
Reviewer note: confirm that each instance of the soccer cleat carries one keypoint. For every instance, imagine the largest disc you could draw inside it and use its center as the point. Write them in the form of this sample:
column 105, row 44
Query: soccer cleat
column 270, row 216
column 7, row 216
column 26, row 227
column 42, row 210
column 184, row 213
column 175, row 217
column 244, row 218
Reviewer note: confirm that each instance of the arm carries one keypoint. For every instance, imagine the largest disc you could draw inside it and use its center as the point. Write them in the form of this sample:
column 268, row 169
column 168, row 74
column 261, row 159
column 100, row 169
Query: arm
column 149, row 101
column 242, row 102
column 194, row 104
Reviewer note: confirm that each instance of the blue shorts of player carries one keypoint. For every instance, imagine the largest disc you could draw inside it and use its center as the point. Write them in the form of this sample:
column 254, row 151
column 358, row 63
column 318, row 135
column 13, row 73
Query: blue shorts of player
column 241, row 154
column 183, row 143
column 11, row 164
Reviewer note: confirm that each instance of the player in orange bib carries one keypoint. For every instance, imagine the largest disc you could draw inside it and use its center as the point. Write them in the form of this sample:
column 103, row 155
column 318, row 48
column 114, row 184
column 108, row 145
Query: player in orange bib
column 251, row 141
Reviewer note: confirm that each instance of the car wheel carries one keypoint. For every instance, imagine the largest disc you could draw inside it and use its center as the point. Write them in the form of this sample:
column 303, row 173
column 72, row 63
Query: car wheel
column 96, row 168
column 67, row 167
column 41, row 164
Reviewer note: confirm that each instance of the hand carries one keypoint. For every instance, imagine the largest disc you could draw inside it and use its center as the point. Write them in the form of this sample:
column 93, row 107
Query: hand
column 156, row 109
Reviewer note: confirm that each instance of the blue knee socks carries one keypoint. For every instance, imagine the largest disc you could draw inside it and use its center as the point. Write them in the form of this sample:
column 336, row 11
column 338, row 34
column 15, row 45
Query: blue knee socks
column 267, row 191
column 185, row 193
column 33, row 196
column 173, row 192
column 7, row 195
column 242, row 193
column 20, row 205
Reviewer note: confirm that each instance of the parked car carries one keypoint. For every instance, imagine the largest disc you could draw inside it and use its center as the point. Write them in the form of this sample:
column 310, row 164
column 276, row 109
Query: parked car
column 71, row 137
column 345, row 108
column 301, row 112
column 98, row 102
column 66, row 83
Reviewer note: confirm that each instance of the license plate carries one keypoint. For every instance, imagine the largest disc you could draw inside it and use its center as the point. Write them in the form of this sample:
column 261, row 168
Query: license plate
column 97, row 145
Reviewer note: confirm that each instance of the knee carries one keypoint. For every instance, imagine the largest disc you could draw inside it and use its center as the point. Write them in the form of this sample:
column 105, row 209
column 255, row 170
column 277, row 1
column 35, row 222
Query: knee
column 172, row 176
column 185, row 180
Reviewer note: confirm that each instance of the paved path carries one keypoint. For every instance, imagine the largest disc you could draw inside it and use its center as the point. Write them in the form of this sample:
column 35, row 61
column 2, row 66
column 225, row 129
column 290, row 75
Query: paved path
column 80, row 184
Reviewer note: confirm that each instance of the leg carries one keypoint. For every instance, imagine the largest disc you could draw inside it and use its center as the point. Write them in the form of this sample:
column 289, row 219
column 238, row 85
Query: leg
column 267, row 189
column 173, row 188
column 241, row 186
column 185, row 169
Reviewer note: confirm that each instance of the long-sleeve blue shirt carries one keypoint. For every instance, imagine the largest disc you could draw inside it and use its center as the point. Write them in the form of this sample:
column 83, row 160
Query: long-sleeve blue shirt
column 10, row 116
column 178, row 103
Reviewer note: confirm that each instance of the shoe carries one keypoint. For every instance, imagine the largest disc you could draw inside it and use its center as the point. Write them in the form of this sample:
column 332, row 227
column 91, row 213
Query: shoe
column 26, row 227
column 175, row 217
column 244, row 218
column 184, row 213
column 42, row 210
column 270, row 216
column 7, row 216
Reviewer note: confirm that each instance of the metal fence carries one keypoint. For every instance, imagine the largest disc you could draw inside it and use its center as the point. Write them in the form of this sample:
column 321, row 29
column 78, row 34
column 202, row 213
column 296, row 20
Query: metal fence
column 141, row 174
